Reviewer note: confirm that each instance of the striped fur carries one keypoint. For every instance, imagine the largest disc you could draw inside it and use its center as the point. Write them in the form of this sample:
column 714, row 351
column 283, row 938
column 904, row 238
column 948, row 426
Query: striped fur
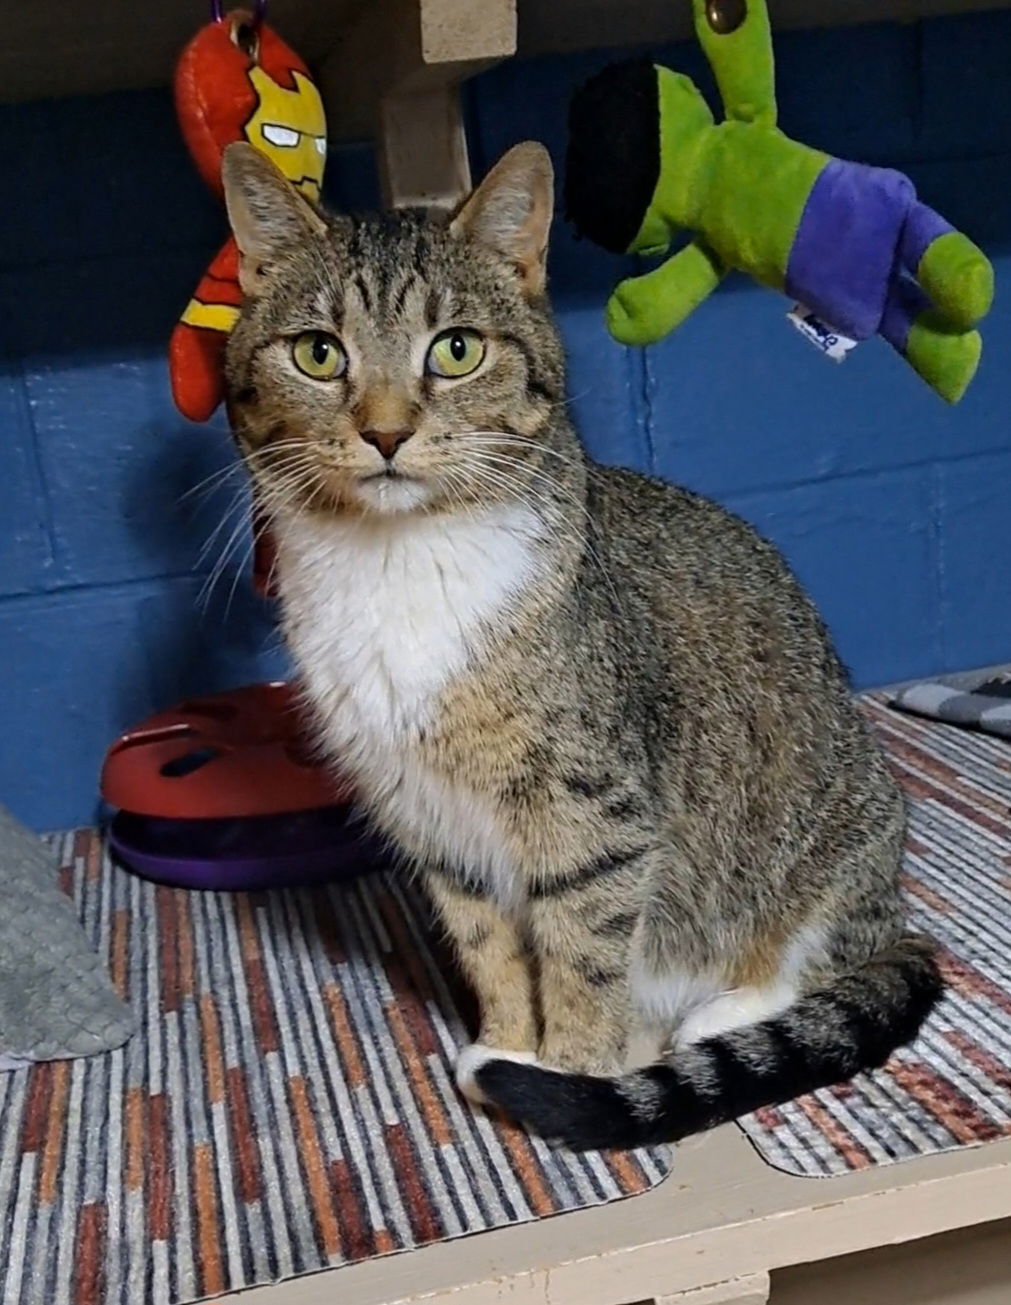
column 595, row 712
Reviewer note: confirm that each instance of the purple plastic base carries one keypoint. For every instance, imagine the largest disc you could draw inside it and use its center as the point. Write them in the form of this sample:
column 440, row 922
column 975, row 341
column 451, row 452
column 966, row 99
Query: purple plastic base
column 291, row 851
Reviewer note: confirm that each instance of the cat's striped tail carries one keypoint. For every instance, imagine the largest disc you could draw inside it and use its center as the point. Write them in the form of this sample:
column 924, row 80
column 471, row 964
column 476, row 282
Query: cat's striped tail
column 825, row 1038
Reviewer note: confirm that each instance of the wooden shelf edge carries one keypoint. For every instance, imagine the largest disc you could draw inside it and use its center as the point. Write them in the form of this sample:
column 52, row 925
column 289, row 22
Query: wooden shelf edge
column 723, row 1216
column 390, row 70
column 564, row 26
column 751, row 1290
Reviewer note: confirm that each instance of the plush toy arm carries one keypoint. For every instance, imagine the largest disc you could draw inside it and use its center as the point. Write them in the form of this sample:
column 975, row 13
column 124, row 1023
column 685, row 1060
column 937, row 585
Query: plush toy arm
column 197, row 347
column 644, row 309
column 741, row 57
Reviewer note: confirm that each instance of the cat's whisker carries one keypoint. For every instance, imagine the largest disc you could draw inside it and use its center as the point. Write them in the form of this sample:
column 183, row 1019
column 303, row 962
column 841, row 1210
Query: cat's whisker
column 503, row 460
column 213, row 481
column 217, row 571
column 239, row 504
column 519, row 489
column 457, row 485
column 551, row 508
column 572, row 398
column 234, row 542
column 569, row 399
column 499, row 438
column 294, row 491
column 240, row 570
column 279, row 446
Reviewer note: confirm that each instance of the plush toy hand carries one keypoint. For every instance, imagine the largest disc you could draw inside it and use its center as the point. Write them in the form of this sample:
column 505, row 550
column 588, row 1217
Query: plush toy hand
column 643, row 309
column 196, row 363
column 946, row 360
column 957, row 278
column 737, row 40
column 941, row 353
column 940, row 288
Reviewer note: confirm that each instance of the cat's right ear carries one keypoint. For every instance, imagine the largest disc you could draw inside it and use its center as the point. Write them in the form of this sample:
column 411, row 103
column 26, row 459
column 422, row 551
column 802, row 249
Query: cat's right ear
column 267, row 214
column 510, row 212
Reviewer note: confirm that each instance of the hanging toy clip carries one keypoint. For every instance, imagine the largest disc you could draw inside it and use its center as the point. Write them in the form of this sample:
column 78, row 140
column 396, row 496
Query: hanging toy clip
column 245, row 29
column 259, row 13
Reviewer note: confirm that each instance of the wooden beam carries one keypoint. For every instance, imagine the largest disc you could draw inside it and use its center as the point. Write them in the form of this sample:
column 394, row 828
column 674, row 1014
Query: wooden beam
column 66, row 47
column 395, row 75
column 563, row 25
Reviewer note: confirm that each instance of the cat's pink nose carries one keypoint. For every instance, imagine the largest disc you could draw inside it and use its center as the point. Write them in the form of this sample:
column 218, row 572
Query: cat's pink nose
column 386, row 441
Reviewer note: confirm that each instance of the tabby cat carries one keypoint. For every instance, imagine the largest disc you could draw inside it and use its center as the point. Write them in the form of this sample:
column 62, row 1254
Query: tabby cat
column 595, row 712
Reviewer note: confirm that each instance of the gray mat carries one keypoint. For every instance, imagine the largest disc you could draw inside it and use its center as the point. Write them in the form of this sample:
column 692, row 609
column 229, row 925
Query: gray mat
column 981, row 701
column 56, row 1000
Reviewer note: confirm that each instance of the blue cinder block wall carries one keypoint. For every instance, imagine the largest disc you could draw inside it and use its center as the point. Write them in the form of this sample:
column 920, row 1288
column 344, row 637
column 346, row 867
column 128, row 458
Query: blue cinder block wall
column 893, row 508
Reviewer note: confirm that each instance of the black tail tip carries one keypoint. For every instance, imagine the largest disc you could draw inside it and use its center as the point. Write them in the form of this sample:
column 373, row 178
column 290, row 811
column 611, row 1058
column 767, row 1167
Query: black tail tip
column 579, row 1111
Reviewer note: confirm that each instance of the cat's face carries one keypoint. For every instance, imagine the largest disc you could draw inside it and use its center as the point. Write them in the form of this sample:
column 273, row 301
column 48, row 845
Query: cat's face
column 395, row 364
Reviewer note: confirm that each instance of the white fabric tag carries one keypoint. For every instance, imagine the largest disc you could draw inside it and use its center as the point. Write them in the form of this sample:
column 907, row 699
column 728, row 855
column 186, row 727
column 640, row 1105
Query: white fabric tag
column 830, row 342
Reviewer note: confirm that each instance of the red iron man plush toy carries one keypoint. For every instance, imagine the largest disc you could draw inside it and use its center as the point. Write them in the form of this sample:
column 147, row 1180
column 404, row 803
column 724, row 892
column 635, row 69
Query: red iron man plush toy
column 237, row 80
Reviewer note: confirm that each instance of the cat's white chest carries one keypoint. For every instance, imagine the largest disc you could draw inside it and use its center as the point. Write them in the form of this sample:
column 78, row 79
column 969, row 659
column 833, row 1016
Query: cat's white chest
column 382, row 615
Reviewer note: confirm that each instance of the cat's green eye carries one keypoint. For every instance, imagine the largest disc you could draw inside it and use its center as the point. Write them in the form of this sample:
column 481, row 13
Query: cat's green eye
column 318, row 355
column 455, row 353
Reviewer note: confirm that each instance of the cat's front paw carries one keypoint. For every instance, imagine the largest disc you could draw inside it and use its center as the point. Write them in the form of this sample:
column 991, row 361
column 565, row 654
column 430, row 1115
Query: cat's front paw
column 473, row 1057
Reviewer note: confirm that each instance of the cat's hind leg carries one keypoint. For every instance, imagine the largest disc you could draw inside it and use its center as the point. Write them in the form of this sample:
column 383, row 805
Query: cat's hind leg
column 765, row 981
column 736, row 1009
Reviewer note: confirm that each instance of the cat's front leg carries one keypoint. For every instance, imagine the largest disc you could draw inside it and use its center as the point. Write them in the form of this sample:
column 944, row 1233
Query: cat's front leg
column 582, row 924
column 494, row 961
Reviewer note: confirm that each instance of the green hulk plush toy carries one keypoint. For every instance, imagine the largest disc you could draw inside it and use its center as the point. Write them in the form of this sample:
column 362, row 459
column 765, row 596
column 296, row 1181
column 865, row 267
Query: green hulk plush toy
column 851, row 244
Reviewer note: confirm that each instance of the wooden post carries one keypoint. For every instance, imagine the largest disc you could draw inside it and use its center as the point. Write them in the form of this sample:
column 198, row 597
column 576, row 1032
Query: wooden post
column 396, row 74
column 423, row 148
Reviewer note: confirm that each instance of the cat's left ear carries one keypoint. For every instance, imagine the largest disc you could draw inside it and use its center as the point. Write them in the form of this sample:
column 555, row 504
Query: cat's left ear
column 267, row 214
column 511, row 210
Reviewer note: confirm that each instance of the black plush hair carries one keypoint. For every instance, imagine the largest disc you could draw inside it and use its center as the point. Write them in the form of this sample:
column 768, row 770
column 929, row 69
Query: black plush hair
column 613, row 157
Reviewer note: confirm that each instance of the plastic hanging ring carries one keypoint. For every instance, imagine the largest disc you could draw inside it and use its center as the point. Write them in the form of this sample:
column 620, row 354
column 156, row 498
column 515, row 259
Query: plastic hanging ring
column 259, row 12
column 726, row 16
column 245, row 28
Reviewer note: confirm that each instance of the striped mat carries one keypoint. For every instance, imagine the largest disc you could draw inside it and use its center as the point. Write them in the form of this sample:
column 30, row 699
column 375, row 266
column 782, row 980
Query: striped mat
column 288, row 1104
column 953, row 1086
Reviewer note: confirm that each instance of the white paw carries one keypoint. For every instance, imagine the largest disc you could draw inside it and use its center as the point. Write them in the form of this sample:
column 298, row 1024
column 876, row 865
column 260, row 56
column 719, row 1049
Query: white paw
column 473, row 1057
